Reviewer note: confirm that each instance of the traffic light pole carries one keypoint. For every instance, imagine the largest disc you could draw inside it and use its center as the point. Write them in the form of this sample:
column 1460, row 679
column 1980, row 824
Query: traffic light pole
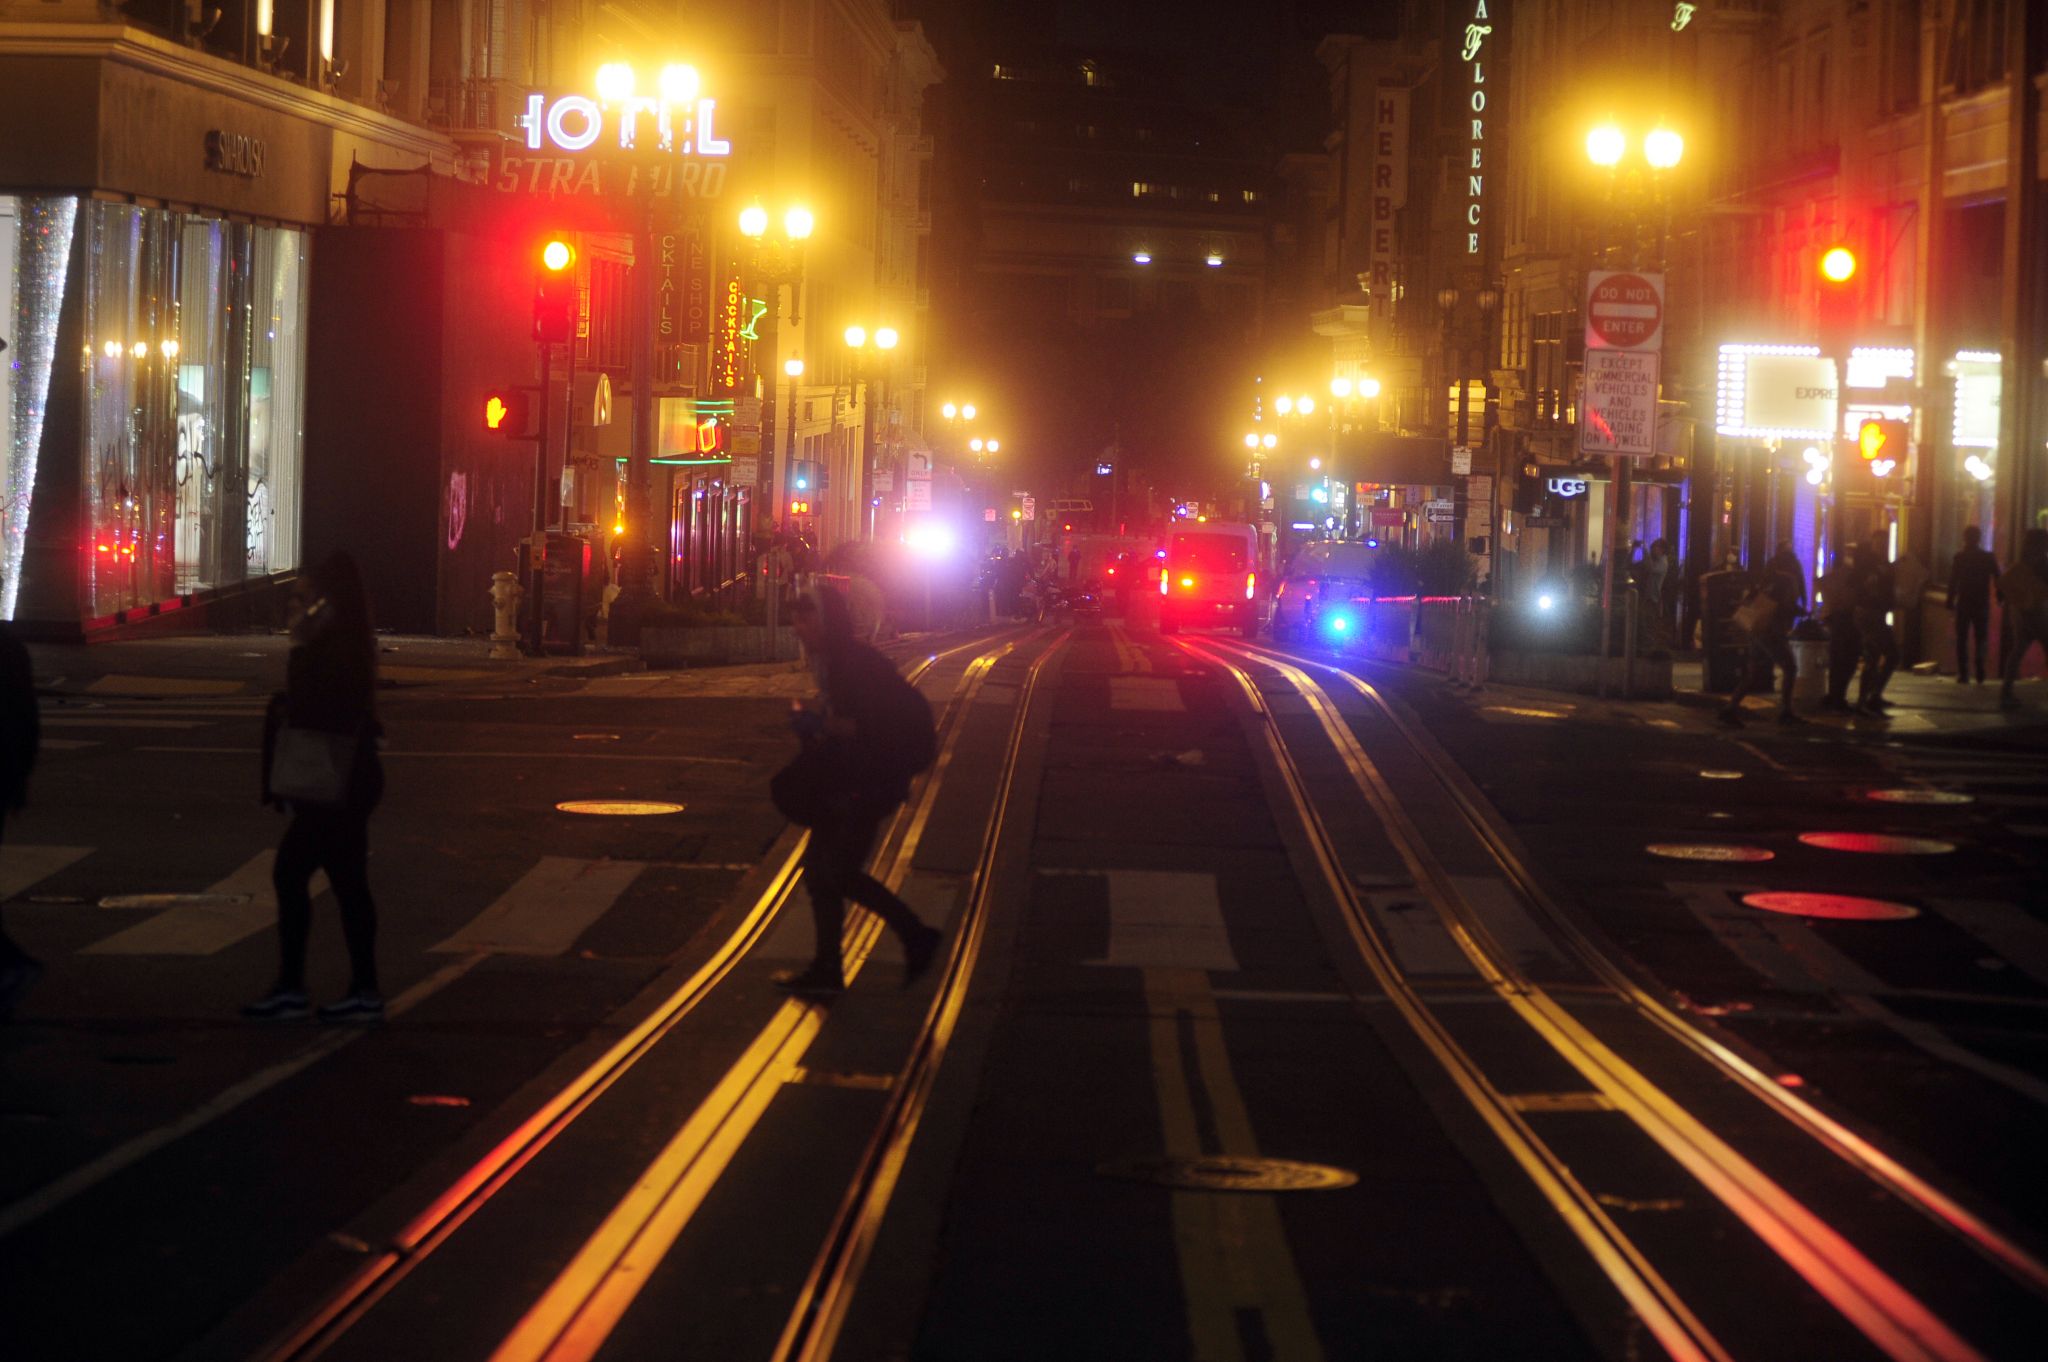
column 536, row 553
column 636, row 558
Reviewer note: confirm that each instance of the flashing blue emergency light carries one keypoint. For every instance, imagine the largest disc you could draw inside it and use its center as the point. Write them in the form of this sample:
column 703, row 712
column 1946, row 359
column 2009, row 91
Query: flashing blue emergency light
column 1320, row 495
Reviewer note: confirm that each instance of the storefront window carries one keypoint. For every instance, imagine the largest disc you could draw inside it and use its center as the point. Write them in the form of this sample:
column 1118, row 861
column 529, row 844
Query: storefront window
column 194, row 390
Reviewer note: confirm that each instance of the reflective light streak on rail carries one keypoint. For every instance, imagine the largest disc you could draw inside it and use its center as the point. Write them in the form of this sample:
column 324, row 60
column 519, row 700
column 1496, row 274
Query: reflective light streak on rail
column 821, row 1305
column 468, row 1193
column 1666, row 1316
column 1885, row 1312
column 1845, row 1143
column 580, row 1308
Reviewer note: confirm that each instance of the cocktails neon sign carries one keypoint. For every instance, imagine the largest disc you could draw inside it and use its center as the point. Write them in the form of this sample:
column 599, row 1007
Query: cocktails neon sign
column 576, row 122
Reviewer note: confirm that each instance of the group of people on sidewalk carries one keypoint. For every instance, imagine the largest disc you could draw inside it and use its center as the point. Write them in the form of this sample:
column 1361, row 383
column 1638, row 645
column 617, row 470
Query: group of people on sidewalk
column 1858, row 600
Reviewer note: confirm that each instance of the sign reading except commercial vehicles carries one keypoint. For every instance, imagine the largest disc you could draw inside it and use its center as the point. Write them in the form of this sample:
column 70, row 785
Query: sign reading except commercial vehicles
column 1618, row 409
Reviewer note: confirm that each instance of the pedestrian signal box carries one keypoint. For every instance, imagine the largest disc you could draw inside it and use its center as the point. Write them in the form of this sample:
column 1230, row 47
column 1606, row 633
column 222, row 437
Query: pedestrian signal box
column 508, row 412
column 1882, row 445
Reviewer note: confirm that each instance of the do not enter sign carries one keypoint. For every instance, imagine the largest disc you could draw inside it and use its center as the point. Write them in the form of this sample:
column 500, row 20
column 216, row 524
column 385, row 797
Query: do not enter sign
column 1624, row 311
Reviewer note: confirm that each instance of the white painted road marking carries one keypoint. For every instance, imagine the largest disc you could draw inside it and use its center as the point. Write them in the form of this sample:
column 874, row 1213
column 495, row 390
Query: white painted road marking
column 1158, row 693
column 206, row 929
column 547, row 909
column 1166, row 920
column 24, row 864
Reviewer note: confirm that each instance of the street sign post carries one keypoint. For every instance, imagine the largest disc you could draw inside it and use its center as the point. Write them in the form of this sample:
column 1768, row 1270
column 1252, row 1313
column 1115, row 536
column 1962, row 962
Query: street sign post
column 1624, row 335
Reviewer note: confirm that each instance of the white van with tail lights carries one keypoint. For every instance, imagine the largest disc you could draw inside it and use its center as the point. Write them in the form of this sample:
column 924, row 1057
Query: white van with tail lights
column 1211, row 578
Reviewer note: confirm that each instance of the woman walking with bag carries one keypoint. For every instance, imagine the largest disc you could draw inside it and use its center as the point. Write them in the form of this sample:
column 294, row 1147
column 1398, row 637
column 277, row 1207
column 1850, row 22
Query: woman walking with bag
column 320, row 762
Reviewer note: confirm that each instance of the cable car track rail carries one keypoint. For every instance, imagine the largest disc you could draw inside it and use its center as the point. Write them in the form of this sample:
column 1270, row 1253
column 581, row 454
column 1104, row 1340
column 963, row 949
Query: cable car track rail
column 1885, row 1312
column 433, row 1225
column 1853, row 1148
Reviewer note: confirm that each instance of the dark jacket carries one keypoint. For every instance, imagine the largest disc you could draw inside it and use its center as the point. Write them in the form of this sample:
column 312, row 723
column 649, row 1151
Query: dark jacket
column 892, row 737
column 331, row 687
column 1971, row 574
column 20, row 723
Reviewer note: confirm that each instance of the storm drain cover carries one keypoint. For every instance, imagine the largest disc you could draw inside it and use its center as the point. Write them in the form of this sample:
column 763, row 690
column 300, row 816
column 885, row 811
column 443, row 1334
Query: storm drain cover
column 173, row 900
column 1232, row 1173
column 619, row 808
column 1877, row 843
column 1846, row 907
column 1913, row 796
column 1720, row 775
column 1708, row 851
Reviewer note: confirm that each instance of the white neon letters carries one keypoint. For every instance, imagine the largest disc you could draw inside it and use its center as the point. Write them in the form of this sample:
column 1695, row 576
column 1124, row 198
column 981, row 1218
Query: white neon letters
column 1476, row 34
column 575, row 122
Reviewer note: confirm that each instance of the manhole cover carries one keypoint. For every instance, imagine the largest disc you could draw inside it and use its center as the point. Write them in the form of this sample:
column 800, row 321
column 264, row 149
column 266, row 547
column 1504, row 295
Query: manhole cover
column 1846, row 907
column 618, row 808
column 173, row 900
column 1720, row 775
column 1877, row 843
column 1913, row 796
column 1229, row 1173
column 1707, row 851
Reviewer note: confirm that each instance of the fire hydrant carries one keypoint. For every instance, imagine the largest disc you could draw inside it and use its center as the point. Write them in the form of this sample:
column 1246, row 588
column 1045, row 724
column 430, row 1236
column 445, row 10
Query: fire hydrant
column 505, row 594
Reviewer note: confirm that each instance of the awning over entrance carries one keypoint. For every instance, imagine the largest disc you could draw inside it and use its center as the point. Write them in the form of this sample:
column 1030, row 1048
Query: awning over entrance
column 1398, row 460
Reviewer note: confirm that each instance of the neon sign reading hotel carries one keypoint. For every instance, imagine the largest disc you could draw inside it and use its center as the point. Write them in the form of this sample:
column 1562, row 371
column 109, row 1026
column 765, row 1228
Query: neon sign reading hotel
column 1475, row 179
column 575, row 122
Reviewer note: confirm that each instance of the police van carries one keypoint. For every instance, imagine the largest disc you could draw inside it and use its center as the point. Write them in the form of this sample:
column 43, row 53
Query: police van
column 1211, row 578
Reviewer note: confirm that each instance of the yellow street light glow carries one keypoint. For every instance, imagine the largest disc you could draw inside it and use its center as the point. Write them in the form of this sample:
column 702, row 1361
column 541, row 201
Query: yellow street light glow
column 170, row 349
column 1283, row 405
column 886, row 338
column 679, row 83
column 975, row 444
column 798, row 224
column 793, row 367
column 113, row 349
column 949, row 411
column 1838, row 265
column 967, row 412
column 753, row 220
column 615, row 82
column 1340, row 387
column 1605, row 145
column 1315, row 465
column 1305, row 404
column 856, row 336
column 1663, row 149
column 1251, row 440
column 1269, row 440
column 995, row 446
column 139, row 349
column 1368, row 387
column 1016, row 515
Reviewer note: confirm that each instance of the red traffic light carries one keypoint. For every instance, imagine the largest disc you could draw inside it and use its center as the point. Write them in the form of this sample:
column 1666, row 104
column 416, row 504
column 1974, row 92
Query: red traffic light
column 557, row 255
column 1838, row 265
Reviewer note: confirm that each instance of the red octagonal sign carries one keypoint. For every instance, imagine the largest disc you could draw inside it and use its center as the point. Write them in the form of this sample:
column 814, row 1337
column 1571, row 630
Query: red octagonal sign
column 1624, row 310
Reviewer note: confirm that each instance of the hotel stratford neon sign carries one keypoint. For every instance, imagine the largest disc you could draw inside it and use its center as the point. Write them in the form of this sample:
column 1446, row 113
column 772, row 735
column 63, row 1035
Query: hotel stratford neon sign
column 559, row 129
column 1476, row 34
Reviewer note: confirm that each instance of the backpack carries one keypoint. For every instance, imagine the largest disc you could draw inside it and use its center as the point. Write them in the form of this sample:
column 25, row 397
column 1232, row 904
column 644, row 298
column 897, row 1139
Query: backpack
column 913, row 738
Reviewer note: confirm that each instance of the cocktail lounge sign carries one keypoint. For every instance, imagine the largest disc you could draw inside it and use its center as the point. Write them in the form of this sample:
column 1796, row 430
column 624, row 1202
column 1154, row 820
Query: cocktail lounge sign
column 666, row 145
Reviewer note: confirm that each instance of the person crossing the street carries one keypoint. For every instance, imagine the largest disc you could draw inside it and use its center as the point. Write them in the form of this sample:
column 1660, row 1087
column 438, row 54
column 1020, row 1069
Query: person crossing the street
column 320, row 762
column 1766, row 614
column 870, row 733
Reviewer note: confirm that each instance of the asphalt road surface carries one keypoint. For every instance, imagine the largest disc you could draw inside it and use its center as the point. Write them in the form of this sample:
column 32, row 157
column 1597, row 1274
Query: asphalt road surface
column 1292, row 1007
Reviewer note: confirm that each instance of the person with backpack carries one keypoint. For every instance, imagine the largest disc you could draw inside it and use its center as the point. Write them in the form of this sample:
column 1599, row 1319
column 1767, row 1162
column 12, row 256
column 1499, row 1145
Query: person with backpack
column 320, row 762
column 869, row 735
column 1766, row 616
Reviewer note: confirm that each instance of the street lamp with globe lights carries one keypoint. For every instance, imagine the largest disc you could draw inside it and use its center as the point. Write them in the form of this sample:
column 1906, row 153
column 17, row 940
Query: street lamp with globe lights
column 776, row 258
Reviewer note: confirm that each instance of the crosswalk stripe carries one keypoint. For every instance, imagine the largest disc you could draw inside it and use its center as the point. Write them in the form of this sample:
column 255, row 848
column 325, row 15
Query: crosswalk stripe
column 206, row 928
column 550, row 906
column 1166, row 920
column 24, row 863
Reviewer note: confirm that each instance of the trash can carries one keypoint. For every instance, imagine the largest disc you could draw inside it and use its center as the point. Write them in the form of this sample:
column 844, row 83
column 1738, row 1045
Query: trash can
column 1810, row 654
column 1724, row 649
